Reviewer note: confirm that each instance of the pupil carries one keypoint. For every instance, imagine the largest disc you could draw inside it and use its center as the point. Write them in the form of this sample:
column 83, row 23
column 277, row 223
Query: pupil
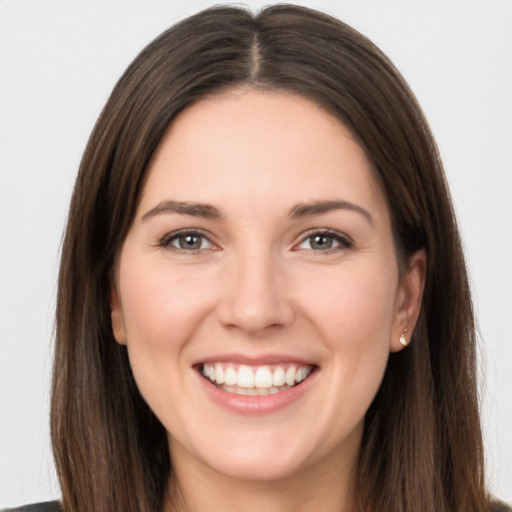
column 190, row 242
column 321, row 242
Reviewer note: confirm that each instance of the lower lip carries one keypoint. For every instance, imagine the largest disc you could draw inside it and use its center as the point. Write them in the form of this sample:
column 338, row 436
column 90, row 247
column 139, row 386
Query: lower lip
column 256, row 405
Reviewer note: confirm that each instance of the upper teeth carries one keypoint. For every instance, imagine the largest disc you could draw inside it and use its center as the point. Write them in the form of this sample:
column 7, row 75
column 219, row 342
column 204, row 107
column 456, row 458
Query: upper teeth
column 255, row 377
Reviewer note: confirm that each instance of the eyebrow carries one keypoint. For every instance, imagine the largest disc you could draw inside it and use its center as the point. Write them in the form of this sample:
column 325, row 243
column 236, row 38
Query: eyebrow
column 320, row 207
column 206, row 211
column 301, row 210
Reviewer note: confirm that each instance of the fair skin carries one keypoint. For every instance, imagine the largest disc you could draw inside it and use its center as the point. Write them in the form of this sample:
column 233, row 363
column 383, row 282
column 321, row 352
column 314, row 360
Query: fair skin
column 262, row 248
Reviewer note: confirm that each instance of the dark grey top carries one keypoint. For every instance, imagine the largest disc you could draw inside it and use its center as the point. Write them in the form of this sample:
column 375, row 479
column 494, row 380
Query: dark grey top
column 54, row 506
column 47, row 506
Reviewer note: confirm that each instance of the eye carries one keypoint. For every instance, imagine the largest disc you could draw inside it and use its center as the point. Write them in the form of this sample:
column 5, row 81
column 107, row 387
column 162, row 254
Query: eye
column 186, row 241
column 323, row 241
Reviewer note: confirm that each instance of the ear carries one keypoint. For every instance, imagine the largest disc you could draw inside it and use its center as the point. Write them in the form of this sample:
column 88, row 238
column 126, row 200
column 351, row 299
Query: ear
column 409, row 297
column 117, row 317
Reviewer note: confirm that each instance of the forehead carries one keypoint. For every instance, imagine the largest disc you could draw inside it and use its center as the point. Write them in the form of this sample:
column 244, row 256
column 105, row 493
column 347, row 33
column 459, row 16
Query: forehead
column 264, row 147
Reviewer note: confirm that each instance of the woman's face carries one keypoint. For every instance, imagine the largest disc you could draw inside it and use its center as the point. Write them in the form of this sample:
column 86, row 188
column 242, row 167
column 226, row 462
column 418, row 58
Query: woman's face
column 258, row 291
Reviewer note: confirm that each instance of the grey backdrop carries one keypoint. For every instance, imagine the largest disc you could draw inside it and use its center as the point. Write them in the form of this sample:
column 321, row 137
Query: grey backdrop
column 58, row 63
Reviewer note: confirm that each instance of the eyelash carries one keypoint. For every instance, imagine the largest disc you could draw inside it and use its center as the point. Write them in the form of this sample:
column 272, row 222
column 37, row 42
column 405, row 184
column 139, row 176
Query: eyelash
column 342, row 241
column 167, row 240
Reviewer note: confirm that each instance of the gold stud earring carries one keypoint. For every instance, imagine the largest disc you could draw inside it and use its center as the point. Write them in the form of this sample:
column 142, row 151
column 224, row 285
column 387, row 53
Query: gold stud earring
column 403, row 339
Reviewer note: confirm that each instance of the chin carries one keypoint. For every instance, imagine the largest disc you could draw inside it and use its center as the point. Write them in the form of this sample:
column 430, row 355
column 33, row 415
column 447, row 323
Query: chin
column 250, row 454
column 254, row 468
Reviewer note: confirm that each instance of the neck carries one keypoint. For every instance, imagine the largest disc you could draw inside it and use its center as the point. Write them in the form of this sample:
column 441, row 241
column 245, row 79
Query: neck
column 323, row 486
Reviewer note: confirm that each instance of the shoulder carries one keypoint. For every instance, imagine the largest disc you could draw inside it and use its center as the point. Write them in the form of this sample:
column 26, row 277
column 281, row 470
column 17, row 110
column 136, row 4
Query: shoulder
column 498, row 506
column 47, row 506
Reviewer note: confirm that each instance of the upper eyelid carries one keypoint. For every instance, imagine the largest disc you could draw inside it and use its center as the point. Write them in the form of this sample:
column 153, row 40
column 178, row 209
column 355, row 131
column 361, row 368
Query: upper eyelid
column 325, row 231
column 166, row 239
column 344, row 242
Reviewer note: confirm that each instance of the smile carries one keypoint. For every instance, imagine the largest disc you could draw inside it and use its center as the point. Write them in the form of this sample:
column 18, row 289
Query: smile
column 255, row 380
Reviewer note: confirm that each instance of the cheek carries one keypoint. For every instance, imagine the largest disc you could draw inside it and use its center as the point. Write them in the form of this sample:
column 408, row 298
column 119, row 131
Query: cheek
column 161, row 311
column 353, row 307
column 354, row 312
column 161, row 307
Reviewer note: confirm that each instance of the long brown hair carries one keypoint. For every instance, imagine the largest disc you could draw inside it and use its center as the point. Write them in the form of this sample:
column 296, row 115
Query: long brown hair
column 422, row 448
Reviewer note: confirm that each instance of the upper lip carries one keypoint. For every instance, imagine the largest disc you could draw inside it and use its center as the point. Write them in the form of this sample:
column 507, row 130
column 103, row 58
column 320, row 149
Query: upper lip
column 260, row 360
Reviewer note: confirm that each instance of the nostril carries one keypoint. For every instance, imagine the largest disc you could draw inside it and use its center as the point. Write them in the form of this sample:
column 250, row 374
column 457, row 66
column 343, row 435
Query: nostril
column 254, row 318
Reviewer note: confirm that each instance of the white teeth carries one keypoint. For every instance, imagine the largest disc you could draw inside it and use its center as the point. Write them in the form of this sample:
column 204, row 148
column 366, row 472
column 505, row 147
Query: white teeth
column 260, row 381
column 290, row 376
column 278, row 378
column 263, row 378
column 245, row 377
column 253, row 391
column 219, row 374
column 300, row 375
column 230, row 377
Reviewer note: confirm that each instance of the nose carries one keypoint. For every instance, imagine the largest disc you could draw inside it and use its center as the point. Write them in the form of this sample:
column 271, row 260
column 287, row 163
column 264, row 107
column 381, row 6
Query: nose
column 255, row 298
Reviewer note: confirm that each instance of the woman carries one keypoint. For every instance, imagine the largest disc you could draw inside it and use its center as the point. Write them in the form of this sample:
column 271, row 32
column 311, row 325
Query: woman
column 263, row 300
